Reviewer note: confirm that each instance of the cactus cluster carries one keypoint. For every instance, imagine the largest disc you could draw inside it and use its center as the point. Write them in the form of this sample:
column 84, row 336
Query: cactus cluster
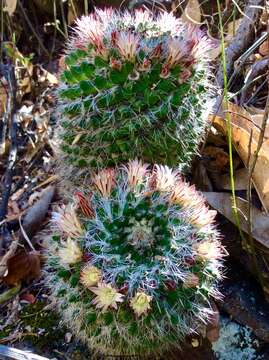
column 134, row 260
column 133, row 85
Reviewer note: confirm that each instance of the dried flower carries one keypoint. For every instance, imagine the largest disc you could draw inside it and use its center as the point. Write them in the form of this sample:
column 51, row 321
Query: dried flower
column 67, row 221
column 90, row 275
column 208, row 250
column 202, row 216
column 104, row 181
column 191, row 281
column 106, row 296
column 140, row 303
column 70, row 253
column 84, row 204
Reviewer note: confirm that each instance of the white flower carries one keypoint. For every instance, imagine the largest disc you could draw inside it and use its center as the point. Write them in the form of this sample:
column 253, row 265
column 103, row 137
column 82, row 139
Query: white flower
column 208, row 250
column 140, row 303
column 164, row 177
column 70, row 253
column 90, row 276
column 106, row 296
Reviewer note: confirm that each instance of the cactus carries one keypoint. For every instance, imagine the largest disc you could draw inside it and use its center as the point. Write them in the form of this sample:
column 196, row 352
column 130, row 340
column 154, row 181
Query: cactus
column 133, row 261
column 134, row 85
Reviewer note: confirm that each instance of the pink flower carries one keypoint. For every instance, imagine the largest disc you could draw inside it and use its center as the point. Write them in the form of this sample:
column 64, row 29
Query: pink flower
column 145, row 66
column 128, row 44
column 165, row 72
column 104, row 181
column 175, row 52
column 184, row 75
column 165, row 178
column 115, row 64
column 136, row 172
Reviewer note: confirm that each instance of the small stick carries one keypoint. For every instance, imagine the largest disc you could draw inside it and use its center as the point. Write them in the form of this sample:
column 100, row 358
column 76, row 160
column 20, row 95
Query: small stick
column 33, row 29
column 12, row 353
column 251, row 171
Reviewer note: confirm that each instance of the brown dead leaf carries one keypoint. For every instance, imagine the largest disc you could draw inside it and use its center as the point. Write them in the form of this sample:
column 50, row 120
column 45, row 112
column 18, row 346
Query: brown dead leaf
column 221, row 158
column 242, row 125
column 260, row 221
column 192, row 13
column 13, row 209
column 264, row 48
column 3, row 97
column 10, row 6
column 22, row 266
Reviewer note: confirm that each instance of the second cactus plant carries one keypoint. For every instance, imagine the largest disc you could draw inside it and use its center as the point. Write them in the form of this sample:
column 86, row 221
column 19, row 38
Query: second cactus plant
column 134, row 85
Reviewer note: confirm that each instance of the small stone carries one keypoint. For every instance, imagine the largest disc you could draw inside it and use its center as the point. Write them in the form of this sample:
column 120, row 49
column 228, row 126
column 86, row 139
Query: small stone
column 195, row 342
column 68, row 337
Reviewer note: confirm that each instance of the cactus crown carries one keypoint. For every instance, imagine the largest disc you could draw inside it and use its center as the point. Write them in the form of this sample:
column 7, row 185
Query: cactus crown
column 132, row 265
column 134, row 85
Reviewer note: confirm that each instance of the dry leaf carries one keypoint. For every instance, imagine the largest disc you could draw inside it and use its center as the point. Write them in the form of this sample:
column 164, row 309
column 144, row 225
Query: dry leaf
column 232, row 28
column 192, row 12
column 29, row 298
column 22, row 266
column 10, row 6
column 264, row 48
column 221, row 158
column 240, row 180
column 242, row 124
column 260, row 222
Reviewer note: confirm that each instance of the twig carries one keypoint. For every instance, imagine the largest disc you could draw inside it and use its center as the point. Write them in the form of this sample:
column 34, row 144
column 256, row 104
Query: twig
column 251, row 171
column 9, row 294
column 63, row 19
column 2, row 30
column 12, row 353
column 33, row 29
column 13, row 149
column 11, row 251
column 242, row 39
column 258, row 68
column 229, row 126
column 86, row 8
column 251, row 168
column 26, row 237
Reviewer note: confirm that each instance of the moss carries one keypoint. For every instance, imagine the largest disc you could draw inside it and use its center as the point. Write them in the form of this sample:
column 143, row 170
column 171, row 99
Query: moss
column 5, row 332
column 43, row 325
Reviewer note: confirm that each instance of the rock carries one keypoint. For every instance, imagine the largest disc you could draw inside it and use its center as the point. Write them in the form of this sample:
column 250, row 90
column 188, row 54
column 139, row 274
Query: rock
column 244, row 302
column 189, row 352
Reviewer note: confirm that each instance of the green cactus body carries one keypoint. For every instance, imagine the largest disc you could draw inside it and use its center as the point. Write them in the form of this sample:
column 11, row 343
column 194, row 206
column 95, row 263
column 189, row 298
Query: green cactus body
column 134, row 85
column 133, row 264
